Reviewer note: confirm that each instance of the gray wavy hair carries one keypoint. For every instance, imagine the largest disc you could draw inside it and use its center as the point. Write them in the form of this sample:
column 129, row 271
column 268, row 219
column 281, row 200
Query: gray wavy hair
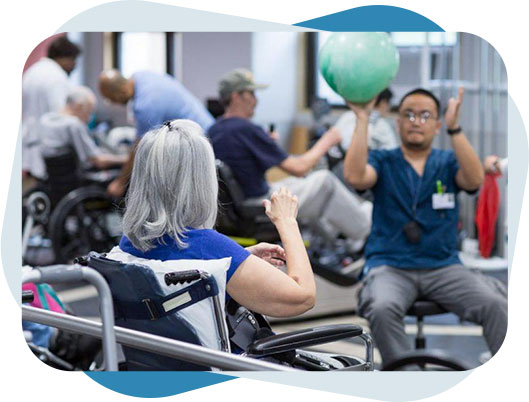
column 80, row 95
column 173, row 185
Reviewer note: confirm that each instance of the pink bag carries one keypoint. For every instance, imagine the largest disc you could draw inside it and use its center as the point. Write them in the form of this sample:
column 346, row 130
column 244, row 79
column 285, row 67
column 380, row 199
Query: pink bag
column 44, row 297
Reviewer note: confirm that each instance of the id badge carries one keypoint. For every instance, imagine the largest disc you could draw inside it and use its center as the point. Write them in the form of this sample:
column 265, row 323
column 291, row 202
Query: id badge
column 443, row 201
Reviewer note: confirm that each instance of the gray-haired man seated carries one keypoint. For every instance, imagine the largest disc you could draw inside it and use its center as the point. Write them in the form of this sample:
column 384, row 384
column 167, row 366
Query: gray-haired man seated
column 66, row 131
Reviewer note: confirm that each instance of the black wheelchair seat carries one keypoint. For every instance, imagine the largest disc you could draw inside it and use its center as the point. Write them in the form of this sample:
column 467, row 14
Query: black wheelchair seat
column 63, row 175
column 237, row 216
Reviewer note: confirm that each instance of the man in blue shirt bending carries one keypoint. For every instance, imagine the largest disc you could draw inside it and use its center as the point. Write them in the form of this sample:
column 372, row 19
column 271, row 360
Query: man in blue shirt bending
column 411, row 252
column 154, row 99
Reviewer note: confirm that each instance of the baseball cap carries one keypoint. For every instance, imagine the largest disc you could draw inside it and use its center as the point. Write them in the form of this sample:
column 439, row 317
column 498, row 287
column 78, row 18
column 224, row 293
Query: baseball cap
column 238, row 80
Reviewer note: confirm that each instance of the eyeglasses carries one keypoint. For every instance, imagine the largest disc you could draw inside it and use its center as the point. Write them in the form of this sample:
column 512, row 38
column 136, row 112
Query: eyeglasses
column 412, row 117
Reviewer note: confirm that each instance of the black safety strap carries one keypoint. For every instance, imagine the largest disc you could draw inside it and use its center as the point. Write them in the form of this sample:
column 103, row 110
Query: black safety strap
column 156, row 308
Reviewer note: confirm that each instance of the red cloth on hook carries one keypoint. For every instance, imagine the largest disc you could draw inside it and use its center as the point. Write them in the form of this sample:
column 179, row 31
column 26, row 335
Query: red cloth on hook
column 487, row 214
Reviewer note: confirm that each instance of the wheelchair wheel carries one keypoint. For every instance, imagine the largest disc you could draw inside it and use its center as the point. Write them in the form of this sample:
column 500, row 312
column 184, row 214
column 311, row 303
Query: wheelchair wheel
column 85, row 220
column 36, row 202
column 36, row 206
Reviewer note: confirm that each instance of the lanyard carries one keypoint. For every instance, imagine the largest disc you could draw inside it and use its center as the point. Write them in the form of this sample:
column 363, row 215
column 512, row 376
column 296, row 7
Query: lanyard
column 415, row 191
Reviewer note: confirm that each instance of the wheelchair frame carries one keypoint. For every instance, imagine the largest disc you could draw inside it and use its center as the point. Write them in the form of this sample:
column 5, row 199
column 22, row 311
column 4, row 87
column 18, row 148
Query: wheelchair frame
column 111, row 334
column 38, row 205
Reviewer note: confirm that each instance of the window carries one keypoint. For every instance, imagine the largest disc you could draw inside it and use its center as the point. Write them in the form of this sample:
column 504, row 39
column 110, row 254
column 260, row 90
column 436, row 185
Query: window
column 142, row 51
column 440, row 56
column 407, row 39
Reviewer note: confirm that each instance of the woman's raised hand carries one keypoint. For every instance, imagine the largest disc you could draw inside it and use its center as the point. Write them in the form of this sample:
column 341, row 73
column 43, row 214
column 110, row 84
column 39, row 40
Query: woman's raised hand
column 282, row 206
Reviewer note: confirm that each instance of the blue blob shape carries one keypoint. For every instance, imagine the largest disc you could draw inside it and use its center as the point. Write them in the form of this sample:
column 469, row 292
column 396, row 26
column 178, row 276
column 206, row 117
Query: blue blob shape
column 151, row 384
column 373, row 18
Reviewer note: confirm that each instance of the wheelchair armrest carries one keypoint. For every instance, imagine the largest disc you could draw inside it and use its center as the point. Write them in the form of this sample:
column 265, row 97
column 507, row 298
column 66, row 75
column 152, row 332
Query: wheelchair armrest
column 303, row 338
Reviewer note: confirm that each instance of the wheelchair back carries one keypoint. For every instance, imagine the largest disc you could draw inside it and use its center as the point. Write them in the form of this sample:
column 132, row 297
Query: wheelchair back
column 63, row 175
column 141, row 304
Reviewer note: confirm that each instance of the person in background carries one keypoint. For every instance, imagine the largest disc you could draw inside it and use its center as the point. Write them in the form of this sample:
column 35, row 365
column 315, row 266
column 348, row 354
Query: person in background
column 66, row 131
column 380, row 132
column 154, row 99
column 45, row 87
column 412, row 250
column 495, row 164
column 249, row 151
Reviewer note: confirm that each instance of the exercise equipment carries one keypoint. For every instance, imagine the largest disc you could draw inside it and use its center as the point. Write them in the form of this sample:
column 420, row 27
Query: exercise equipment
column 359, row 65
column 247, row 224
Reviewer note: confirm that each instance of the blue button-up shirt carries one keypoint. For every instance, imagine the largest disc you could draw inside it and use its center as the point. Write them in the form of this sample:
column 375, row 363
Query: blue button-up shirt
column 402, row 196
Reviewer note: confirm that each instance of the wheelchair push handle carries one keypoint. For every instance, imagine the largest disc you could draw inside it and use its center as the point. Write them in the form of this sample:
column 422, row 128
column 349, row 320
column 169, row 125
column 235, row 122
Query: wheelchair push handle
column 176, row 278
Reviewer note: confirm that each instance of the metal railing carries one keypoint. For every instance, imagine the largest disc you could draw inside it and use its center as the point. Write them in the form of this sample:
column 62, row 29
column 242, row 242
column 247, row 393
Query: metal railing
column 152, row 343
column 76, row 273
column 110, row 334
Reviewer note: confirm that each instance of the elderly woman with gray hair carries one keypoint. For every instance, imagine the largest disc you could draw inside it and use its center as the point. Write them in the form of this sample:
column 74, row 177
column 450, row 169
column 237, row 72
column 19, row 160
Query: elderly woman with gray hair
column 171, row 211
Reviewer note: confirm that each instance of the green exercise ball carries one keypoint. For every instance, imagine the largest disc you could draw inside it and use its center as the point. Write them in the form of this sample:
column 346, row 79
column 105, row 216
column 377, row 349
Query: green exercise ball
column 359, row 65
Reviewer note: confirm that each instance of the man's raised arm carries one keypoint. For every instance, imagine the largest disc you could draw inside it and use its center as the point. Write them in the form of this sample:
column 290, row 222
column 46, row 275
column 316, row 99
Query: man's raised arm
column 357, row 171
column 470, row 174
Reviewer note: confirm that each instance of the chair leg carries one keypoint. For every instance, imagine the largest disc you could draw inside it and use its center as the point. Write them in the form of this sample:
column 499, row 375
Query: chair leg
column 420, row 340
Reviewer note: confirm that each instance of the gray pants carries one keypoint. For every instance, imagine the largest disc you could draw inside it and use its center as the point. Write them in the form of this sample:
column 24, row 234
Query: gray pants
column 322, row 197
column 389, row 292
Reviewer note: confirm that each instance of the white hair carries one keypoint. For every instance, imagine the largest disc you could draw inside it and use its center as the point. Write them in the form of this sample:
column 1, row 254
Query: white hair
column 80, row 95
column 173, row 186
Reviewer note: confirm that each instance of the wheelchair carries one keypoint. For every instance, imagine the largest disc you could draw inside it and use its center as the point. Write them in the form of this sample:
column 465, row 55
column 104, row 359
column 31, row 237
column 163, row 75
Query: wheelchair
column 71, row 209
column 246, row 223
column 141, row 304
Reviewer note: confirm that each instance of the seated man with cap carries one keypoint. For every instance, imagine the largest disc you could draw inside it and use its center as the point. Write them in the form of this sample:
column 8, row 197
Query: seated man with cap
column 249, row 151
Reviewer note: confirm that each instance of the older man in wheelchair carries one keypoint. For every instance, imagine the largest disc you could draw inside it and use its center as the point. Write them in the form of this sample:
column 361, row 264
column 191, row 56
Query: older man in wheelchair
column 73, row 171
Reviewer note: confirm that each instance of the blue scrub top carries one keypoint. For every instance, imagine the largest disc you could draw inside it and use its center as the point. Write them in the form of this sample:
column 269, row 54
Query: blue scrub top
column 397, row 190
column 160, row 97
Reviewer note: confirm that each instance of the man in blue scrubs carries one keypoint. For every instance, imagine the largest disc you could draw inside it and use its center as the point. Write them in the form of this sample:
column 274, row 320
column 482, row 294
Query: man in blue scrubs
column 411, row 252
column 154, row 99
